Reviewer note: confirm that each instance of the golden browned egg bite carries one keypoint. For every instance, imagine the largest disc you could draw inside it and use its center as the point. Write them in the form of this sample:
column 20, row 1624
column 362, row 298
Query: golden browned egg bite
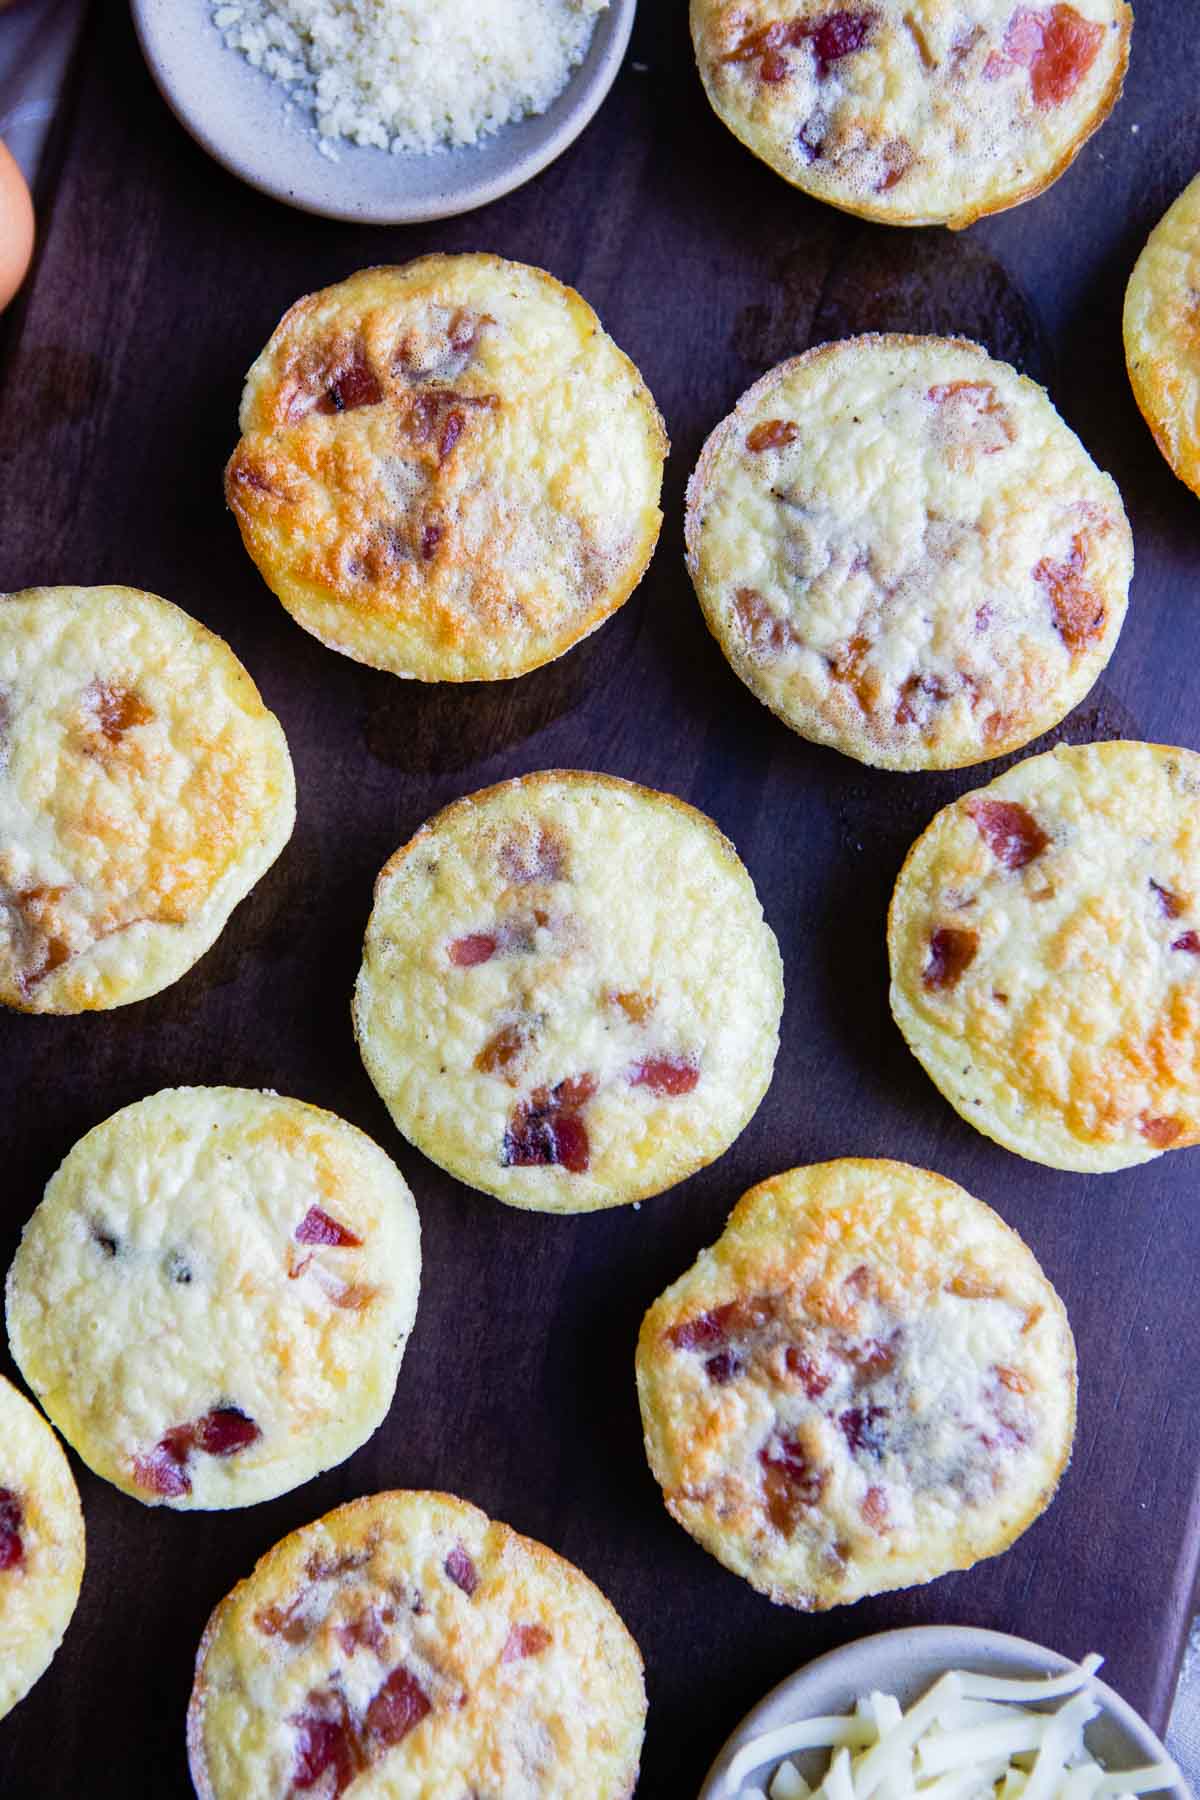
column 408, row 1645
column 865, row 1383
column 1044, row 938
column 448, row 469
column 914, row 112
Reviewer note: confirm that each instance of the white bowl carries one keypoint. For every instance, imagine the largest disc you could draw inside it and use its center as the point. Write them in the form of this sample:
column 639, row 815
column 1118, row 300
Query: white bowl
column 905, row 1663
column 244, row 119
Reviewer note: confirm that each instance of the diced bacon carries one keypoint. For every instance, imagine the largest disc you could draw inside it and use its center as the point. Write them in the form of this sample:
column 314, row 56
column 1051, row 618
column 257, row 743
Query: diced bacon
column 772, row 434
column 164, row 1470
column 572, row 1149
column 1189, row 941
column 222, row 1432
column 848, row 666
column 951, row 952
column 433, row 361
column 1079, row 611
column 919, row 694
column 862, row 1428
column 327, row 1745
column 974, row 419
column 332, row 1568
column 540, row 858
column 397, row 1708
column 547, row 1130
column 667, row 1075
column 1056, row 45
column 316, row 1227
column 1170, row 904
column 812, row 1378
column 461, row 1570
column 438, row 416
column 875, row 1508
column 477, row 947
column 366, row 1632
column 712, row 1329
column 763, row 44
column 288, row 1622
column 465, row 327
column 225, row 1430
column 355, row 385
column 837, row 35
column 766, row 633
column 570, row 1094
column 874, row 1357
column 1009, row 830
column 503, row 1050
column 12, row 1517
column 792, row 1482
column 523, row 1641
column 1161, row 1132
column 898, row 157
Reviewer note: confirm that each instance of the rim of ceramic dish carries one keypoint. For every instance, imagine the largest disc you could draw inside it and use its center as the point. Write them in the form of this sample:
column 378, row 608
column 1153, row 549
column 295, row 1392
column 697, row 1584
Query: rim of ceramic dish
column 245, row 121
column 914, row 1656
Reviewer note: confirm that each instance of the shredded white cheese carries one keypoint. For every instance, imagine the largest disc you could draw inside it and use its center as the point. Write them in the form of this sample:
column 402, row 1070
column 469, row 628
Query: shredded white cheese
column 411, row 75
column 971, row 1737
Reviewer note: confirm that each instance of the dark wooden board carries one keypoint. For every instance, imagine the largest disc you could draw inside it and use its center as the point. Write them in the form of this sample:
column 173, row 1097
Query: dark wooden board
column 159, row 279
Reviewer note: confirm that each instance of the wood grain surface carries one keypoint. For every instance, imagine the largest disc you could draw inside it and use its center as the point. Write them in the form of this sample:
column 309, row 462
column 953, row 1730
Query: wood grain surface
column 158, row 280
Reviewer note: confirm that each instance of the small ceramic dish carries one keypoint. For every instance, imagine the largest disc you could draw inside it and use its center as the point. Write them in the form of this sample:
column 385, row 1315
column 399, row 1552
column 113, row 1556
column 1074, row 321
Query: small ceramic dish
column 245, row 120
column 906, row 1663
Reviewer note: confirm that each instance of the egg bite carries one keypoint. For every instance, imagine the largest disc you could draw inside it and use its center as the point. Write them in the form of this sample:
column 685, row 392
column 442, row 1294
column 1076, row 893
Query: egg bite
column 406, row 1644
column 569, row 997
column 866, row 1382
column 41, row 1546
column 1044, row 938
column 1162, row 345
column 213, row 1297
column 447, row 469
column 913, row 112
column 905, row 553
column 144, row 790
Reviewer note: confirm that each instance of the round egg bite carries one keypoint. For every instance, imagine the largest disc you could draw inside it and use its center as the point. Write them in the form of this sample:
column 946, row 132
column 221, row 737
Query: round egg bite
column 913, row 112
column 865, row 1383
column 407, row 1644
column 905, row 553
column 41, row 1546
column 1162, row 341
column 144, row 789
column 569, row 997
column 448, row 469
column 213, row 1298
column 1044, row 939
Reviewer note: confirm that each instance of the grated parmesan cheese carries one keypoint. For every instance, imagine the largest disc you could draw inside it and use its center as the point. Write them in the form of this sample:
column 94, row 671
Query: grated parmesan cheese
column 412, row 75
column 969, row 1738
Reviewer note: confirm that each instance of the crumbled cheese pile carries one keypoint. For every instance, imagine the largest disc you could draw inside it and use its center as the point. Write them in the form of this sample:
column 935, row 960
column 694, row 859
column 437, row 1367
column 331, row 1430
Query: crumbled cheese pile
column 413, row 74
column 971, row 1737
